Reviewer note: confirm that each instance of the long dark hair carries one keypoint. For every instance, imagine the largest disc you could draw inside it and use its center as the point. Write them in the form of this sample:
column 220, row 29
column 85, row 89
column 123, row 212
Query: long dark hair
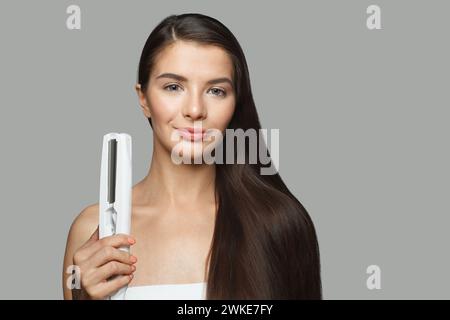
column 264, row 244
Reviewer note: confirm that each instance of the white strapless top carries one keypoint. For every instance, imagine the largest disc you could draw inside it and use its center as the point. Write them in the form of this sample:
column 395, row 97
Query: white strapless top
column 185, row 291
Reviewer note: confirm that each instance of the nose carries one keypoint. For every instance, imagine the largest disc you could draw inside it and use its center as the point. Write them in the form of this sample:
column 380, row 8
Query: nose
column 195, row 108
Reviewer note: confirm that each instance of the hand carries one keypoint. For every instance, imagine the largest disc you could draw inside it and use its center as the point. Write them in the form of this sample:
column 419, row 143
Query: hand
column 99, row 260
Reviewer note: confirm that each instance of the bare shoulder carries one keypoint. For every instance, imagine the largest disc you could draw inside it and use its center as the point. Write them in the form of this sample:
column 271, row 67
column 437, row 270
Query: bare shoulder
column 85, row 223
column 83, row 226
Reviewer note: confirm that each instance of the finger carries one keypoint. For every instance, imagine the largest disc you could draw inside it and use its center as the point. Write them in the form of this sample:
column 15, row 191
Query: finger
column 110, row 269
column 118, row 240
column 107, row 254
column 107, row 288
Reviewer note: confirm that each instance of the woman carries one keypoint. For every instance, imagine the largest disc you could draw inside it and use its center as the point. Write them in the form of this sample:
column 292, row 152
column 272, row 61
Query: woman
column 214, row 231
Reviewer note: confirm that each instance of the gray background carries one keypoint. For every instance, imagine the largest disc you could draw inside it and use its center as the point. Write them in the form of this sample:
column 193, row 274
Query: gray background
column 362, row 117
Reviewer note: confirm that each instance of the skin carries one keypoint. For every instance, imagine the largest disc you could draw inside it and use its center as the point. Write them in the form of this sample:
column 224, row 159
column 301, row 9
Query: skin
column 173, row 207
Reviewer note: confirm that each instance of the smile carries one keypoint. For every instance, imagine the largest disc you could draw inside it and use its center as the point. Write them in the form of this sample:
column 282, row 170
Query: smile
column 192, row 134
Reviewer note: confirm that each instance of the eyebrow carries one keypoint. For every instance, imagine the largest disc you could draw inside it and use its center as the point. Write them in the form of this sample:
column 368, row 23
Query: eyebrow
column 181, row 78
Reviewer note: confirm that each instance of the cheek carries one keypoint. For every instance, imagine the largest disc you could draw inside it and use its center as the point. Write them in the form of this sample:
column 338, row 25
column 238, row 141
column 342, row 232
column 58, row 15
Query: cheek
column 221, row 115
column 163, row 108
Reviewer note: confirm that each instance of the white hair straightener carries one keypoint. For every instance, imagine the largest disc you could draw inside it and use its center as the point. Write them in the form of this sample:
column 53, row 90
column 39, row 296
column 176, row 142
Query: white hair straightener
column 115, row 191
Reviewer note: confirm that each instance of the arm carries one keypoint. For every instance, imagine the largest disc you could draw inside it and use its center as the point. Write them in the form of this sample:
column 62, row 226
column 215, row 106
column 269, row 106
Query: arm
column 81, row 229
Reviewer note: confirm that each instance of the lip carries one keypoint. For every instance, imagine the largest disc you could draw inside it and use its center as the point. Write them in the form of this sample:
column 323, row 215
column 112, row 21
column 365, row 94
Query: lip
column 192, row 134
column 194, row 130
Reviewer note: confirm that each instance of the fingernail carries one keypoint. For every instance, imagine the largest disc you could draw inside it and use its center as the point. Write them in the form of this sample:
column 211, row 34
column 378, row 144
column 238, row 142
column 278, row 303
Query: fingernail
column 133, row 259
column 133, row 268
column 131, row 276
column 131, row 240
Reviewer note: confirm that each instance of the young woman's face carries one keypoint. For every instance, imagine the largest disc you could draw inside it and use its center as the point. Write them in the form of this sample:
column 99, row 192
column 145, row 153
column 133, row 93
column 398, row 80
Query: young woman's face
column 190, row 86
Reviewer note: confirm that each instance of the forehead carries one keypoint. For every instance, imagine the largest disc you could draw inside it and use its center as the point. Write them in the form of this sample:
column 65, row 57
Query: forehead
column 193, row 60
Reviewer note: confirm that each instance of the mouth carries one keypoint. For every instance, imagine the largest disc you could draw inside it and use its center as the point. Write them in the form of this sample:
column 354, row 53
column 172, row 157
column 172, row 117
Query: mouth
column 192, row 134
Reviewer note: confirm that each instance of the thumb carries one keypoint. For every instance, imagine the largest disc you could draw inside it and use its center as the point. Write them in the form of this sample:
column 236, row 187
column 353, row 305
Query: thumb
column 95, row 235
column 92, row 238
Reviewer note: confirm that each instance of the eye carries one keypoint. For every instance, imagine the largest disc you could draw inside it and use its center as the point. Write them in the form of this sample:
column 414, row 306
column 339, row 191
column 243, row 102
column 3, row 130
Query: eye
column 172, row 87
column 218, row 92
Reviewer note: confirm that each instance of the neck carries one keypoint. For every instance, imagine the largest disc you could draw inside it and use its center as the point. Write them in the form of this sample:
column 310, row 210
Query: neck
column 177, row 185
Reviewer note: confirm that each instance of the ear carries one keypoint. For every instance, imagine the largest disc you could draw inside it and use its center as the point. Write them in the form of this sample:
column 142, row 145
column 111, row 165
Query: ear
column 143, row 101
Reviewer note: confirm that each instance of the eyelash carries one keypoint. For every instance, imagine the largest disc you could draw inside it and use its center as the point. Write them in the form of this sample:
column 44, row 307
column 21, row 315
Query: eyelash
column 222, row 92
